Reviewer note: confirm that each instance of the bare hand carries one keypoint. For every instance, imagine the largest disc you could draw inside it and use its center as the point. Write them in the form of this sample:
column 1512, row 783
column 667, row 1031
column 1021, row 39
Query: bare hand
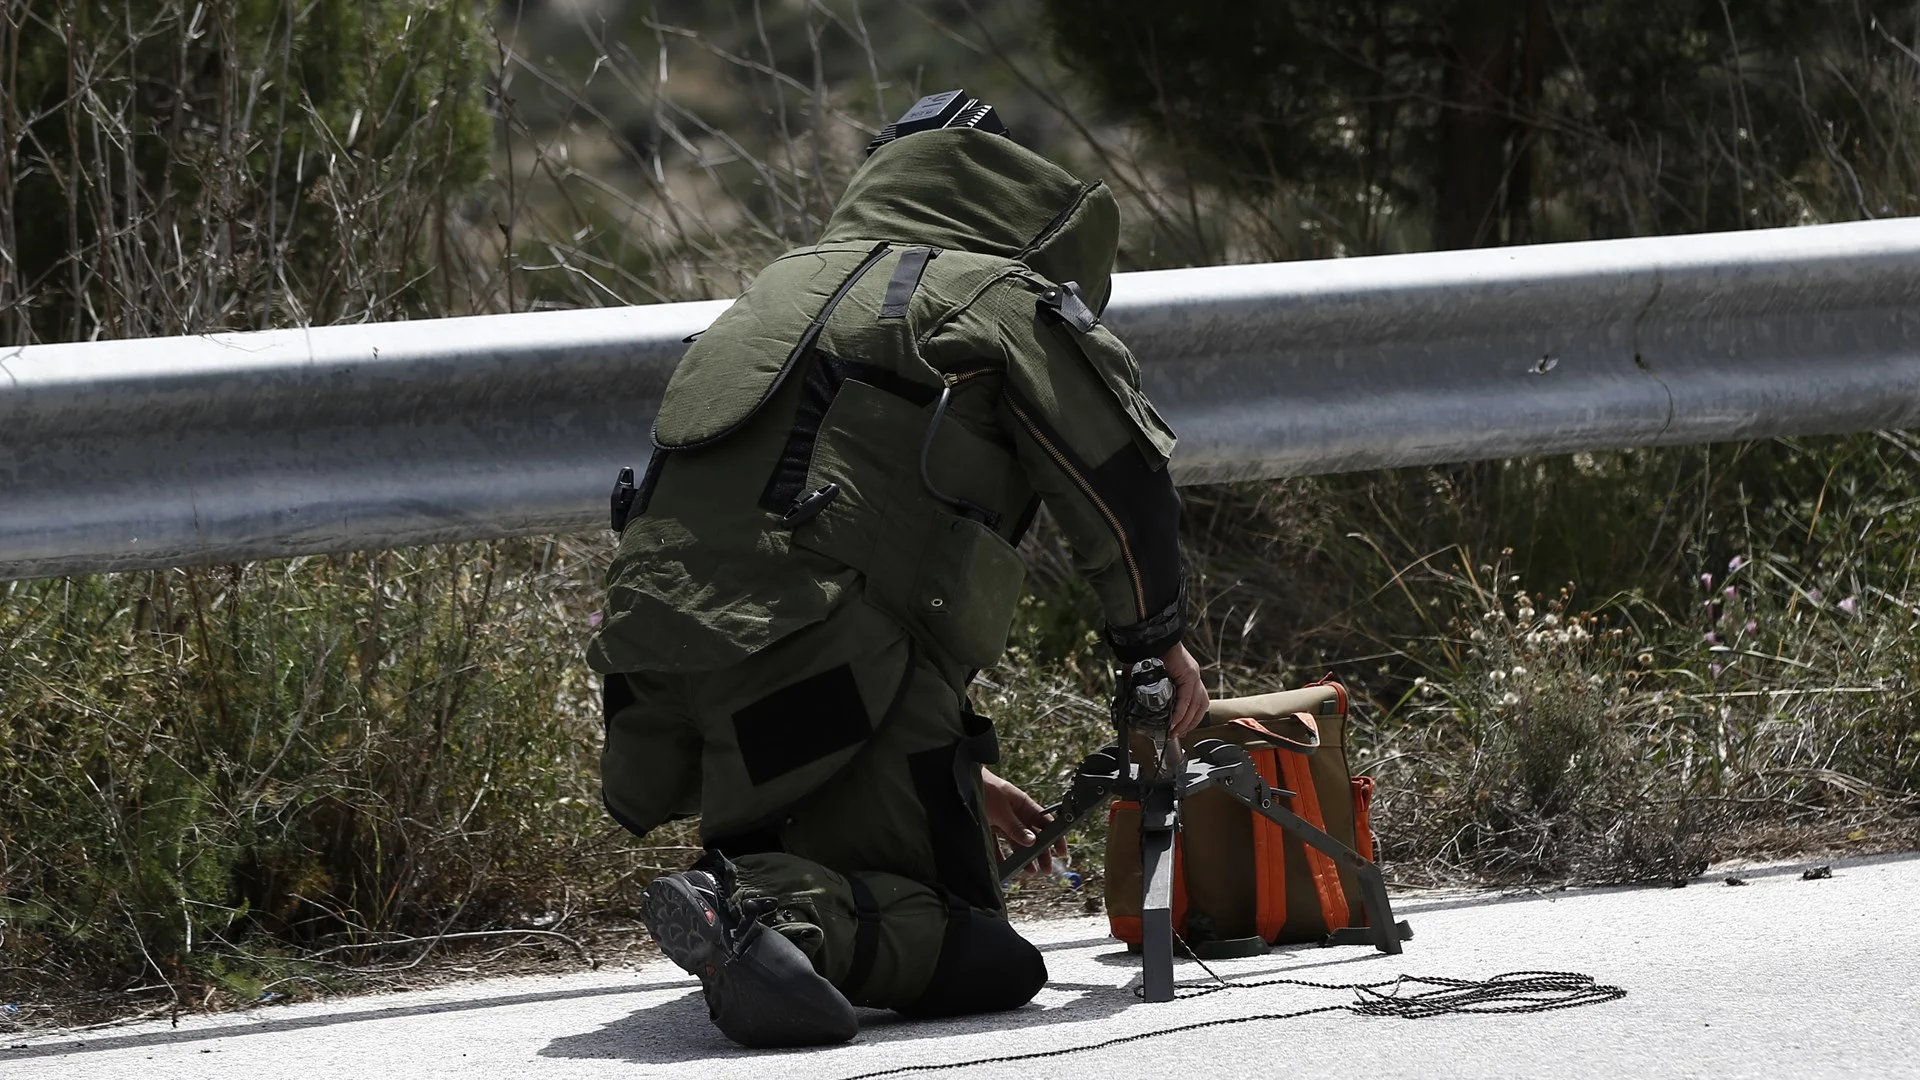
column 1189, row 692
column 1016, row 819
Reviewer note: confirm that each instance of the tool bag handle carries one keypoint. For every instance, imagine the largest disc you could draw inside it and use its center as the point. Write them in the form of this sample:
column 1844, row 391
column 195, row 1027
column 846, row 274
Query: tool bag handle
column 1325, row 699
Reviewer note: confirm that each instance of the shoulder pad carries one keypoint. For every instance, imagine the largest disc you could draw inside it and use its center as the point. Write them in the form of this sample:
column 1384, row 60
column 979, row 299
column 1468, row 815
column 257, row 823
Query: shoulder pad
column 1114, row 363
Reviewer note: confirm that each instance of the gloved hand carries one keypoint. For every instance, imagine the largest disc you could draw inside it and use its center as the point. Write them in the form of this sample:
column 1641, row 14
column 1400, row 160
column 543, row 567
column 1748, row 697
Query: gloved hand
column 1016, row 819
column 1189, row 692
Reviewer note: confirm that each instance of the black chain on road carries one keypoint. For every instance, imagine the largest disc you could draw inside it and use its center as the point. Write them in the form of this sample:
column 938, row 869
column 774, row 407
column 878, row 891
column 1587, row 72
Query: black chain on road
column 1511, row 993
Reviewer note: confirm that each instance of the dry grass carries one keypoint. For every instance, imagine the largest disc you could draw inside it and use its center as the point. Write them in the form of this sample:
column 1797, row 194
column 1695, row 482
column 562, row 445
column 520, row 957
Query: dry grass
column 1626, row 727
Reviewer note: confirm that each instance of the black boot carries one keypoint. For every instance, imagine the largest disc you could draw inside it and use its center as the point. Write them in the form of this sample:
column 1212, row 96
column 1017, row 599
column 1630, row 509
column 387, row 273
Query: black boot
column 761, row 989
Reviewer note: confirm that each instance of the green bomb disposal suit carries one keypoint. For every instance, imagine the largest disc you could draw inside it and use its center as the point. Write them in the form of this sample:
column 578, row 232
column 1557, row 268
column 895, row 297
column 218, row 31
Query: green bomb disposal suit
column 789, row 659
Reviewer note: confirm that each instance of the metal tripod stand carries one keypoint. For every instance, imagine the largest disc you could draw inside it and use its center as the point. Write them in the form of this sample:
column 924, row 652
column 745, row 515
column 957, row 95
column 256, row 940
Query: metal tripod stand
column 1143, row 702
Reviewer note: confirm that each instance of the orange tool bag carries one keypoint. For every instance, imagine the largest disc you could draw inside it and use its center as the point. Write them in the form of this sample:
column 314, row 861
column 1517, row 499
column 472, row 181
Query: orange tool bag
column 1241, row 882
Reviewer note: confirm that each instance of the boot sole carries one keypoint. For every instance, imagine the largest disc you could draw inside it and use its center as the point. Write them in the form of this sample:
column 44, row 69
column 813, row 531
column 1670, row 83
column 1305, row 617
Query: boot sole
column 685, row 926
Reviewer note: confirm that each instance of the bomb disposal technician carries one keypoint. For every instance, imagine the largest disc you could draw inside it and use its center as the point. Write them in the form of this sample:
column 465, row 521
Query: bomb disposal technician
column 821, row 554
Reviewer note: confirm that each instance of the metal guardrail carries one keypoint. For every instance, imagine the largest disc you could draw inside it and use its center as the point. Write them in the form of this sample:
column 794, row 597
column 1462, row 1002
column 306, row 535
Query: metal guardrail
column 136, row 454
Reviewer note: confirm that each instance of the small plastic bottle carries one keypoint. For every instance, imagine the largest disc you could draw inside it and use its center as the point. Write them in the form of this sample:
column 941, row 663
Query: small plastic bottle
column 1064, row 873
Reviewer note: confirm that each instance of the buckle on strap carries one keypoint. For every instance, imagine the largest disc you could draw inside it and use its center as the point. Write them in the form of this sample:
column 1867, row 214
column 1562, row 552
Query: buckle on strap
column 624, row 492
column 1066, row 301
column 808, row 506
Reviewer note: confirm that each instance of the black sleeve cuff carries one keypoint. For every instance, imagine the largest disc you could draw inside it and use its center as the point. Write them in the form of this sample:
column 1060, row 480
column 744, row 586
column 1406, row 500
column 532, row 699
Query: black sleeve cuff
column 1153, row 636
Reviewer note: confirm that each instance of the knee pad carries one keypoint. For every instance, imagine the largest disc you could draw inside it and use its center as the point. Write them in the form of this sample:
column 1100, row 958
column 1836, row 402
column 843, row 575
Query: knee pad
column 984, row 966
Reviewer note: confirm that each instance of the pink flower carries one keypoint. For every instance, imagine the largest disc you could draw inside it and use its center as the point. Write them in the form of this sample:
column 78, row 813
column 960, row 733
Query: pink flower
column 1706, row 581
column 1715, row 669
column 1850, row 605
column 1730, row 593
column 1736, row 563
column 1712, row 638
column 1752, row 627
column 1813, row 595
column 593, row 619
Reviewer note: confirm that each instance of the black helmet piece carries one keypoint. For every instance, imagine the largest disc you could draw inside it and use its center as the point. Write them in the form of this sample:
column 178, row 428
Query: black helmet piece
column 951, row 109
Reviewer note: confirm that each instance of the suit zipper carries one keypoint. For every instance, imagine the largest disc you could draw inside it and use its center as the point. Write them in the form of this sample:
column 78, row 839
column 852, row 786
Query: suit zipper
column 1113, row 522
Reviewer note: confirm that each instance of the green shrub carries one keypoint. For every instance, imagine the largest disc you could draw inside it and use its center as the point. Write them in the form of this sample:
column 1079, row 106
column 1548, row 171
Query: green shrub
column 329, row 749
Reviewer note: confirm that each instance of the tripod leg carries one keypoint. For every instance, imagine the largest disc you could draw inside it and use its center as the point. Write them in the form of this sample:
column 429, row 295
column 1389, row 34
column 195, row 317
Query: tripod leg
column 1156, row 907
column 1018, row 861
column 1373, row 888
column 1092, row 783
column 1228, row 767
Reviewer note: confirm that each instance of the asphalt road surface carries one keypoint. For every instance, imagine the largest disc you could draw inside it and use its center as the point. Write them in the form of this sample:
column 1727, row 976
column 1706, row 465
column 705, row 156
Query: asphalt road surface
column 1784, row 978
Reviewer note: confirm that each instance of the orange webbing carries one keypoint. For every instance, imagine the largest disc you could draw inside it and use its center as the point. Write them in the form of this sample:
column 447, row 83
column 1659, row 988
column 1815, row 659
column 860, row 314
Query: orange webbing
column 1269, row 857
column 1306, row 720
column 1326, row 876
column 1363, row 816
column 1339, row 692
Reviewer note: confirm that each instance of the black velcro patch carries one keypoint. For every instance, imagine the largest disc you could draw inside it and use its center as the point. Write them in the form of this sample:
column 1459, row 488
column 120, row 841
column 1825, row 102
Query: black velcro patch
column 905, row 279
column 801, row 723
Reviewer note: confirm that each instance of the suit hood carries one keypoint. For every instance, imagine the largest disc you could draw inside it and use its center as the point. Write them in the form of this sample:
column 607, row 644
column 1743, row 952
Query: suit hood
column 969, row 191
